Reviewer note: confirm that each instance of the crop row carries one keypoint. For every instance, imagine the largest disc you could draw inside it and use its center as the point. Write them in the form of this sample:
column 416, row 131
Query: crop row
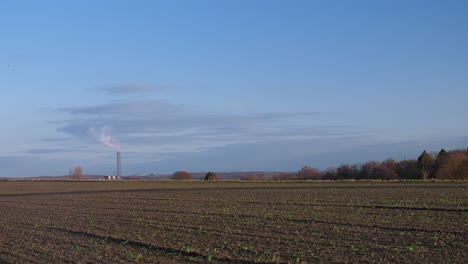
column 286, row 223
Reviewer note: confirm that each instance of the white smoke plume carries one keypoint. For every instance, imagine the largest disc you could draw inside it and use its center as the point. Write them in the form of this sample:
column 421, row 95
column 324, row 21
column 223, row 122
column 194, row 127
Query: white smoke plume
column 103, row 134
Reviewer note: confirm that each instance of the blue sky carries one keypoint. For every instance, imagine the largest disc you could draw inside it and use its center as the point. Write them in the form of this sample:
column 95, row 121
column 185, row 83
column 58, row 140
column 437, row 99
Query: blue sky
column 229, row 85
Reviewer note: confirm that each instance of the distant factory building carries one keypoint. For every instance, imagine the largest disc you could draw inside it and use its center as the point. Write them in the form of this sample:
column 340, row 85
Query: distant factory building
column 111, row 177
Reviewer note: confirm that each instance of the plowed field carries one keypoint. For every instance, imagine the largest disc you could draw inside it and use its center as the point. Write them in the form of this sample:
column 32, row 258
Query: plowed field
column 233, row 222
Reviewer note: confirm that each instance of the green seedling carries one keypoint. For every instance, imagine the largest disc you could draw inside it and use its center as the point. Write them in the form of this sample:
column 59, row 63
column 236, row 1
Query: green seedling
column 134, row 256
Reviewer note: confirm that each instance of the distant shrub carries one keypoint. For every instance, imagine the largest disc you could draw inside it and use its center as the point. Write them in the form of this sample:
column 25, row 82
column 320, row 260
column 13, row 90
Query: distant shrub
column 181, row 176
column 211, row 176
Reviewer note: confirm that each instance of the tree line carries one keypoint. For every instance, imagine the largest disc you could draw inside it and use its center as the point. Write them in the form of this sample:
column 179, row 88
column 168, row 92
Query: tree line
column 444, row 165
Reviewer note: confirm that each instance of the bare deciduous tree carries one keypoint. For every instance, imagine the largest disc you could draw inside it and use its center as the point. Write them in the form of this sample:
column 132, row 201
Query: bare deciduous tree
column 76, row 173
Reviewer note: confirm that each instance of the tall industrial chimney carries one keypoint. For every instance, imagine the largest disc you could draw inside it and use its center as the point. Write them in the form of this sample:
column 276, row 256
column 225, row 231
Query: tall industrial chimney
column 119, row 168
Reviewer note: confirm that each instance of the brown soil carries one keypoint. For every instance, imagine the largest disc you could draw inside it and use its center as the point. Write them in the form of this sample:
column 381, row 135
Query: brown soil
column 233, row 222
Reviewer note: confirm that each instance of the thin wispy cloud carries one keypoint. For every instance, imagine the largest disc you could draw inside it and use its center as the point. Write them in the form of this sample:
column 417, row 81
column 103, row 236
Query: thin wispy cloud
column 158, row 116
column 164, row 124
column 131, row 88
column 124, row 108
column 45, row 151
column 53, row 150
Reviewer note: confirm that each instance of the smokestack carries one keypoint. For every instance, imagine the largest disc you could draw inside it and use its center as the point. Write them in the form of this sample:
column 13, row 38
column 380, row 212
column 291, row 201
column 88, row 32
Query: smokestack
column 119, row 168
